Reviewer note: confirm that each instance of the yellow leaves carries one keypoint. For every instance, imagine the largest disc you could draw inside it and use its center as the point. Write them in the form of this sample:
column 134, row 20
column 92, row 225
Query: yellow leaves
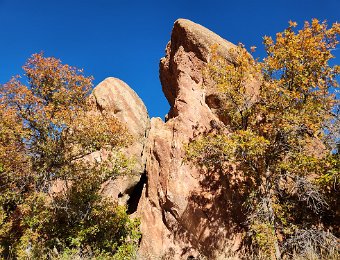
column 275, row 135
column 250, row 143
column 236, row 83
column 52, row 120
column 264, row 237
column 303, row 76
column 268, row 41
column 211, row 150
column 48, row 133
column 57, row 84
column 292, row 24
column 92, row 131
column 293, row 98
column 308, row 50
column 336, row 69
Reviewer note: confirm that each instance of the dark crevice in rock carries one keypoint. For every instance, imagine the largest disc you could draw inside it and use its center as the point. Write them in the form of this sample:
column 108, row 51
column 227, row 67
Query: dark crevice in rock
column 98, row 106
column 136, row 194
column 213, row 101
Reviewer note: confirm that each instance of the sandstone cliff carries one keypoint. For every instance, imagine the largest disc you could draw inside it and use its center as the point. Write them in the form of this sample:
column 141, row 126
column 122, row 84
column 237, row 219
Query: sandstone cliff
column 184, row 214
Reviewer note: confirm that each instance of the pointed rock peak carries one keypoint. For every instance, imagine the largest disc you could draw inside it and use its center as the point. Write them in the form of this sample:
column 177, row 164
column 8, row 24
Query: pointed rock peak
column 187, row 53
column 198, row 39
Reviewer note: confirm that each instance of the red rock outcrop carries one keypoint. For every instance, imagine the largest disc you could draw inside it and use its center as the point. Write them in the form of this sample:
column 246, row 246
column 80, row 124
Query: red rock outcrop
column 183, row 212
column 114, row 96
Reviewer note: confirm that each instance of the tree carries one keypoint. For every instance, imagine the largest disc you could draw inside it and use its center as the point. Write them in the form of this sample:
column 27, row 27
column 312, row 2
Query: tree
column 49, row 129
column 276, row 115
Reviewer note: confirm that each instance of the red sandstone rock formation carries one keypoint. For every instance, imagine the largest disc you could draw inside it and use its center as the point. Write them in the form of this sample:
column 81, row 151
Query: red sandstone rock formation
column 114, row 96
column 184, row 212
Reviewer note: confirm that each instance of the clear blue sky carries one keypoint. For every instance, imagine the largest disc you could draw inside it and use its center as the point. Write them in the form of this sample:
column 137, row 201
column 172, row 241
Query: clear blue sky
column 126, row 39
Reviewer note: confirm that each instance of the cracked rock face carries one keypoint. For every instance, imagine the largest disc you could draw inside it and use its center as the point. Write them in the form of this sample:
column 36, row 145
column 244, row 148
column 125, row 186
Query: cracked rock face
column 183, row 212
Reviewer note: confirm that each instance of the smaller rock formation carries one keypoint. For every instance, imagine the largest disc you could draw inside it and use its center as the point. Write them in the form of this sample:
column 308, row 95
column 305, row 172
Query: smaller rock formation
column 115, row 97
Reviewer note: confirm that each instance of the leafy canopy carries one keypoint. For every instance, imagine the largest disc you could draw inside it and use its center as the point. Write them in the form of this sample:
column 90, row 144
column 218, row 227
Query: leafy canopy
column 280, row 121
column 50, row 201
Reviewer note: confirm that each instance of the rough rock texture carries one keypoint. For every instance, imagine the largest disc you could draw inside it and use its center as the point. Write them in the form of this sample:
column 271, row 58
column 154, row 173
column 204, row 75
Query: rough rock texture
column 183, row 212
column 114, row 96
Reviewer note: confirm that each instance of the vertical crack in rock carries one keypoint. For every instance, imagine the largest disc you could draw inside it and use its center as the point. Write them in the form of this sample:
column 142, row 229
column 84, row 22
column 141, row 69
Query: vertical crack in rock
column 135, row 194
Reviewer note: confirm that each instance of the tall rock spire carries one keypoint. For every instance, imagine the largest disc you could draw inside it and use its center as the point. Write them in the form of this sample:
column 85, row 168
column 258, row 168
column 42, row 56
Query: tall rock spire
column 183, row 212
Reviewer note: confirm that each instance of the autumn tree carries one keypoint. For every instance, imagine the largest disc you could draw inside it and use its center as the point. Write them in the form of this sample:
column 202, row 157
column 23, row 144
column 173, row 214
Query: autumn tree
column 48, row 130
column 280, row 117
